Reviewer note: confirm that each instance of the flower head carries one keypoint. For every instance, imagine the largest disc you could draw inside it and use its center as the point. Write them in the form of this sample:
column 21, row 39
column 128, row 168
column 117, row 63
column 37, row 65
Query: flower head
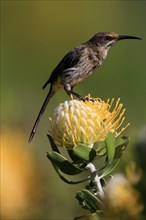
column 86, row 122
column 121, row 199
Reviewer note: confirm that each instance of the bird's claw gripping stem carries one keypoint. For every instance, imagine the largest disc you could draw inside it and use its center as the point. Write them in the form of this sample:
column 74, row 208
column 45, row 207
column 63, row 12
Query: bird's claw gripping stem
column 72, row 93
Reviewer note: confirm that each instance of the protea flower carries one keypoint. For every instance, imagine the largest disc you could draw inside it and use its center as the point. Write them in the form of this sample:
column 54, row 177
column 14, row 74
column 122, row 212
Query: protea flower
column 86, row 122
column 121, row 199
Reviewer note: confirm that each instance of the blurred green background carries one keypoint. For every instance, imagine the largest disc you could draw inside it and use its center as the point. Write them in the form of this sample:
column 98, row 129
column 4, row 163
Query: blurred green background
column 35, row 35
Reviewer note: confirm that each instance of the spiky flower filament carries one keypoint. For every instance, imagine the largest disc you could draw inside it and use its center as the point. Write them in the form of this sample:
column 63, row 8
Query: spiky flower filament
column 86, row 122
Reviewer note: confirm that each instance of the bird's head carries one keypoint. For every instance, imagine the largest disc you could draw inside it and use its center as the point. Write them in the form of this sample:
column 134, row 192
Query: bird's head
column 107, row 39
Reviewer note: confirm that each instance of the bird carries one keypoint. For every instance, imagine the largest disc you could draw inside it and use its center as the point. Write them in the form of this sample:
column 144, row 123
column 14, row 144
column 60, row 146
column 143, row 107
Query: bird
column 78, row 64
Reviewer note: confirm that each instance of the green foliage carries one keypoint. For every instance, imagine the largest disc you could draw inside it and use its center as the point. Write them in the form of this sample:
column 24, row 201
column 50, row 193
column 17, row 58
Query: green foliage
column 88, row 201
column 84, row 152
column 81, row 155
column 112, row 149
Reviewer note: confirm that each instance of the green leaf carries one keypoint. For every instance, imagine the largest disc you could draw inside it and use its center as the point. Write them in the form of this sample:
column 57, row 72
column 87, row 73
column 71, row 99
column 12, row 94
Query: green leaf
column 110, row 146
column 109, row 168
column 100, row 148
column 121, row 143
column 66, row 180
column 84, row 152
column 53, row 146
column 88, row 201
column 64, row 165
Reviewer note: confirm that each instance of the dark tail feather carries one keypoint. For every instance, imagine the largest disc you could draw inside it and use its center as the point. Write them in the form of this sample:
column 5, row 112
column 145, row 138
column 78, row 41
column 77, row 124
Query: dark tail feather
column 44, row 86
column 49, row 96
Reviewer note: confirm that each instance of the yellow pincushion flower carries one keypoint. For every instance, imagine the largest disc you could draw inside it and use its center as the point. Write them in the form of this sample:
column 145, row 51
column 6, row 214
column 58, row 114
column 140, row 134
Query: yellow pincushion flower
column 86, row 122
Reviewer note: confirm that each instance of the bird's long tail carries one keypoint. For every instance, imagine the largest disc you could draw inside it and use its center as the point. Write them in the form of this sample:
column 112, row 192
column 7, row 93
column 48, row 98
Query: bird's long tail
column 49, row 96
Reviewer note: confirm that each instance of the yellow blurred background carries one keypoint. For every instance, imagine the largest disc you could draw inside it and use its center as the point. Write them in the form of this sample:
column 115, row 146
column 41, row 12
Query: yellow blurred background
column 35, row 35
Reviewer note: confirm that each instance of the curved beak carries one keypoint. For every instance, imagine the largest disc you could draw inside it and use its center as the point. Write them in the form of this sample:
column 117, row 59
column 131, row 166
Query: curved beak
column 122, row 37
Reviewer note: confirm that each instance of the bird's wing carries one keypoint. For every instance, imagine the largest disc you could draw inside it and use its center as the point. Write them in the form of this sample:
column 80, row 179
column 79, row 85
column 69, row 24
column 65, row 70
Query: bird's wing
column 68, row 61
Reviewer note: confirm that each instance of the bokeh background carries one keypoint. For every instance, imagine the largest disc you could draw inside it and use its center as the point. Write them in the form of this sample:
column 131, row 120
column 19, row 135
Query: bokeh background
column 35, row 35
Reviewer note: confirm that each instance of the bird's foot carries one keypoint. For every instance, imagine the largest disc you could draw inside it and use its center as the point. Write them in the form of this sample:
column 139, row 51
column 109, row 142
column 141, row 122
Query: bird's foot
column 80, row 97
column 84, row 99
column 89, row 99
